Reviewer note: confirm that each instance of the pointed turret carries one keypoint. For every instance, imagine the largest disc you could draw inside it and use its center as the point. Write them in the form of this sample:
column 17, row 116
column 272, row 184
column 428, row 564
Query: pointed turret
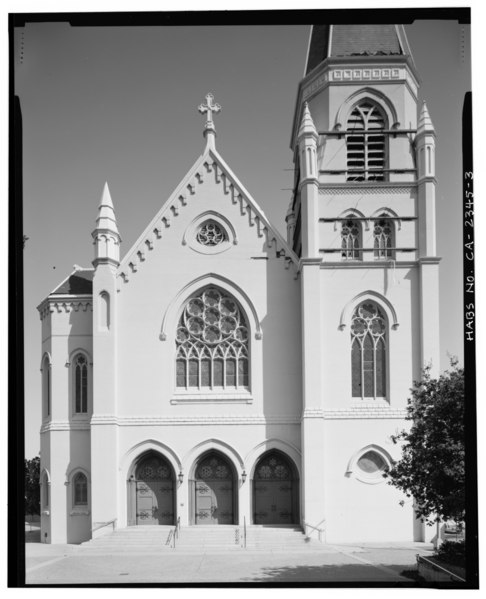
column 424, row 122
column 309, row 184
column 106, row 236
column 308, row 145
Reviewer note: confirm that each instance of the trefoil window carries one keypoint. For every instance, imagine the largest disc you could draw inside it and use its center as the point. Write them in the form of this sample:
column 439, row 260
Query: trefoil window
column 368, row 351
column 212, row 343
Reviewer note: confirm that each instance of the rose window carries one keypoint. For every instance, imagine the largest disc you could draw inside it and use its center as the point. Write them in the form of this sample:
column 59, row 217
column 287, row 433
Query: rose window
column 212, row 343
column 211, row 233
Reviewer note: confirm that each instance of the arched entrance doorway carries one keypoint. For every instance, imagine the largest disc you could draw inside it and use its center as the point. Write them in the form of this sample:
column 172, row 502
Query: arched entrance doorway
column 151, row 497
column 214, row 491
column 275, row 490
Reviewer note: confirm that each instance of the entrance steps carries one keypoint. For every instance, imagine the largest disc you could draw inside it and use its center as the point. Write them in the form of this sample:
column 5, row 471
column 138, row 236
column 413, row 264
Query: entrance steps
column 204, row 539
column 286, row 539
column 148, row 538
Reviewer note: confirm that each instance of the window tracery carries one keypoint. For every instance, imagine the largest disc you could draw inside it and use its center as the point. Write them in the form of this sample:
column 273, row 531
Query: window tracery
column 368, row 351
column 212, row 343
column 383, row 239
column 350, row 240
column 80, row 365
column 211, row 233
column 273, row 467
column 365, row 143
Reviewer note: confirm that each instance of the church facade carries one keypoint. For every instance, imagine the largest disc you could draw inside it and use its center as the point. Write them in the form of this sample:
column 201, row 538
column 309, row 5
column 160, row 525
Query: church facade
column 220, row 374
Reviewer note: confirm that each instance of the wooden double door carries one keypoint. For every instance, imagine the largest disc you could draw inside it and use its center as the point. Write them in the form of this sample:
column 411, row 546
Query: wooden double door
column 275, row 491
column 154, row 493
column 215, row 501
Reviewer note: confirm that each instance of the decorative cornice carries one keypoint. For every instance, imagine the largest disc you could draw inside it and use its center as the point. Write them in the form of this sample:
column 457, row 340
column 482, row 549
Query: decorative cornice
column 107, row 419
column 209, row 165
column 365, row 412
column 65, row 425
column 60, row 303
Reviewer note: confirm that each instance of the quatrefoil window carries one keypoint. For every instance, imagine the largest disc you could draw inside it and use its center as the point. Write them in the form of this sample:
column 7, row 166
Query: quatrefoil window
column 211, row 233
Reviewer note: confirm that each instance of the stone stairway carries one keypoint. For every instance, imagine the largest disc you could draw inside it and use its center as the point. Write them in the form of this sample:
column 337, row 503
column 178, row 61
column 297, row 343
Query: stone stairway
column 286, row 539
column 133, row 538
column 203, row 539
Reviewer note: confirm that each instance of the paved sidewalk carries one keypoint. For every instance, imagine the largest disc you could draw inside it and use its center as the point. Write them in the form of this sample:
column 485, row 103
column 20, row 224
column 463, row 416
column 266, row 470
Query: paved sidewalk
column 75, row 564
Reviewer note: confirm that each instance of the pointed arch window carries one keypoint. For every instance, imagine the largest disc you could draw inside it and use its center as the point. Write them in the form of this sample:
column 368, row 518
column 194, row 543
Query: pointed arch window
column 80, row 490
column 365, row 143
column 368, row 351
column 383, row 238
column 46, row 387
column 350, row 240
column 212, row 343
column 80, row 376
column 45, row 491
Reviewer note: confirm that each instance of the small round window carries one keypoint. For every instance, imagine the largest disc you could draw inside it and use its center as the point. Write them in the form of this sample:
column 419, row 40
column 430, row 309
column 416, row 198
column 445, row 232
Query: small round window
column 371, row 463
column 211, row 233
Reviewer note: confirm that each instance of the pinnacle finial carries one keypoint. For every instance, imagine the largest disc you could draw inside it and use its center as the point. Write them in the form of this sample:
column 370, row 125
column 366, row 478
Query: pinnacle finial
column 425, row 122
column 307, row 124
column 106, row 212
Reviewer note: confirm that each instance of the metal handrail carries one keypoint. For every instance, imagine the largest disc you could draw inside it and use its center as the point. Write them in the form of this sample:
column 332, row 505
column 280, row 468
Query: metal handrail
column 169, row 537
column 319, row 530
column 103, row 524
column 176, row 531
column 434, row 566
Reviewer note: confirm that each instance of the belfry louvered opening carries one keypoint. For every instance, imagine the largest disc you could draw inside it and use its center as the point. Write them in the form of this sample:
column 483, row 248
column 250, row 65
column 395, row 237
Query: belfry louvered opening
column 365, row 143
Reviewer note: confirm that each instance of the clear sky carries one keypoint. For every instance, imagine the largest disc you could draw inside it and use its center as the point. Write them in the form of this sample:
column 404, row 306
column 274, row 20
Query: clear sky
column 120, row 105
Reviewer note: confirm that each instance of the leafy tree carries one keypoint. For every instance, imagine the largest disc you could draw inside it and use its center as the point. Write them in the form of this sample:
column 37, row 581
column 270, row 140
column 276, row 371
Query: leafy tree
column 432, row 469
column 32, row 485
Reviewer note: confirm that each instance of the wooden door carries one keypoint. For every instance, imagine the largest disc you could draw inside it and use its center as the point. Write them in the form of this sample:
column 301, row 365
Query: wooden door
column 155, row 503
column 214, row 501
column 273, row 491
column 154, row 492
column 273, row 502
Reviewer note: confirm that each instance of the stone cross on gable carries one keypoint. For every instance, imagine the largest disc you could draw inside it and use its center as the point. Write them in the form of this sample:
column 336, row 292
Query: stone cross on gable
column 209, row 108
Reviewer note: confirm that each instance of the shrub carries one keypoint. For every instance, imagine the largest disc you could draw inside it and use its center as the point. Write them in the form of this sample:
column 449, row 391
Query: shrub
column 453, row 552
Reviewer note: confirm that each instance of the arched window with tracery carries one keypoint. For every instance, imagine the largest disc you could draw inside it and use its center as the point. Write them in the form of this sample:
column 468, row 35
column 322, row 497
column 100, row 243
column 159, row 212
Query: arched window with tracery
column 80, row 376
column 350, row 240
column 383, row 238
column 80, row 489
column 212, row 343
column 365, row 143
column 368, row 351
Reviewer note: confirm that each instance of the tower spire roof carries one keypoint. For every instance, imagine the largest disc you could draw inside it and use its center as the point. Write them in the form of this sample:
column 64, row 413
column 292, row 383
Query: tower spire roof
column 329, row 41
column 106, row 214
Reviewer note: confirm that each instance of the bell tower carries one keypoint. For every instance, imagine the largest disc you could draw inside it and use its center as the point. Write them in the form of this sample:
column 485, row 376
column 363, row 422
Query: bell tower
column 362, row 221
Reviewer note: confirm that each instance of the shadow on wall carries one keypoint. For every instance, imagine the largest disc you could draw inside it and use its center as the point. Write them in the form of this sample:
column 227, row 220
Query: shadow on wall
column 346, row 574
